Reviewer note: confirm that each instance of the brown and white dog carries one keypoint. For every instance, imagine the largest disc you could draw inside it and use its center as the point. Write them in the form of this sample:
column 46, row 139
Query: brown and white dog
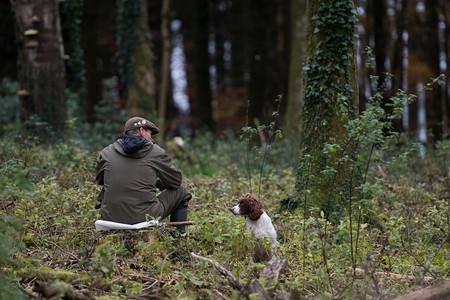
column 258, row 222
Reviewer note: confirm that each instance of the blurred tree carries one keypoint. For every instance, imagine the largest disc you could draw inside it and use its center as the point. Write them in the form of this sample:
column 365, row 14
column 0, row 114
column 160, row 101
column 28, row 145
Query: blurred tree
column 378, row 14
column 330, row 81
column 98, row 30
column 8, row 48
column 295, row 90
column 201, row 102
column 259, row 16
column 165, row 68
column 239, row 62
column 431, row 57
column 41, row 60
column 220, row 36
column 136, row 74
column 398, row 53
column 445, row 8
column 71, row 21
column 363, row 40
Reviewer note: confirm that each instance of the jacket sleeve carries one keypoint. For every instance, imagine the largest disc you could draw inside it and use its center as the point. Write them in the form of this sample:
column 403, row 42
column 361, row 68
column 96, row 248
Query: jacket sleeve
column 168, row 174
column 99, row 169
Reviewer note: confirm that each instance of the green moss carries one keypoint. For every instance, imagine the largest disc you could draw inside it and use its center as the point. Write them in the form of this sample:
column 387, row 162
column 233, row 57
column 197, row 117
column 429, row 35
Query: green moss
column 45, row 273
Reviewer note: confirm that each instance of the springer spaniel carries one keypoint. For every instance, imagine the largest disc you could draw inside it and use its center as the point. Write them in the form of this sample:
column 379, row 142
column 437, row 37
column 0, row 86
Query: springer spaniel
column 258, row 222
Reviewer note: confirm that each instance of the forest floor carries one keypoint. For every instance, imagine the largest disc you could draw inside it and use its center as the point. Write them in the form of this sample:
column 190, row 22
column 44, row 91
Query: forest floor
column 397, row 243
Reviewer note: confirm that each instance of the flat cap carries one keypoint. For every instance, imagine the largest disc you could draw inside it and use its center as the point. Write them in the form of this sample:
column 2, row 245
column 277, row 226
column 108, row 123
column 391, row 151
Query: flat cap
column 137, row 122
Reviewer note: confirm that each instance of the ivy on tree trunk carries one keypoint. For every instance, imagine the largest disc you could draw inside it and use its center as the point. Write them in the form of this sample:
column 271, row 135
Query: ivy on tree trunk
column 325, row 178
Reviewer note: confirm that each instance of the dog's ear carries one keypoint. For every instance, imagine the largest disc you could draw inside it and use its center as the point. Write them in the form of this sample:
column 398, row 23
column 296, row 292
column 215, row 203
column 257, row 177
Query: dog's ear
column 256, row 209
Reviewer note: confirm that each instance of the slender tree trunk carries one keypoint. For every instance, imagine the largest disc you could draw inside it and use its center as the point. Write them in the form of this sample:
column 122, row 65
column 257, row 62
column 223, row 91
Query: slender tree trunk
column 416, row 70
column 218, row 20
column 98, row 31
column 423, row 64
column 431, row 58
column 379, row 16
column 202, row 109
column 295, row 90
column 238, row 49
column 257, row 47
column 398, row 55
column 41, row 57
column 446, row 92
column 330, row 81
column 165, row 68
column 8, row 50
column 364, row 78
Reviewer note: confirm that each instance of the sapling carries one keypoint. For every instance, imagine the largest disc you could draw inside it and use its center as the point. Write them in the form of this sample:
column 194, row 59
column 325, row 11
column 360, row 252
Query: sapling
column 249, row 132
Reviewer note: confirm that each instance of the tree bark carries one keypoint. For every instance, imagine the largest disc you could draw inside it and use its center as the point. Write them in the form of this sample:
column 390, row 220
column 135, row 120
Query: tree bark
column 42, row 72
column 430, row 55
column 258, row 56
column 165, row 68
column 379, row 33
column 239, row 62
column 330, row 81
column 98, row 30
column 8, row 51
column 140, row 85
column 202, row 109
column 445, row 99
column 398, row 55
column 295, row 90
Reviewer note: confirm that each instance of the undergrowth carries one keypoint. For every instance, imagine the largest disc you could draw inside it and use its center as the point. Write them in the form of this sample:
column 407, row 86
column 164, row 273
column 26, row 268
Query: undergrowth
column 50, row 191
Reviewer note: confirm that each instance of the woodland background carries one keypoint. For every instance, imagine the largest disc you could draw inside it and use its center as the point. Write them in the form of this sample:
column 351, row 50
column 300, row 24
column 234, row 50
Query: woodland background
column 361, row 202
column 231, row 60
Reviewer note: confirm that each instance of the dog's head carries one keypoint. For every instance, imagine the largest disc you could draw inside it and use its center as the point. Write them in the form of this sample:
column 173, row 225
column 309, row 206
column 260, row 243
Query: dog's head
column 249, row 206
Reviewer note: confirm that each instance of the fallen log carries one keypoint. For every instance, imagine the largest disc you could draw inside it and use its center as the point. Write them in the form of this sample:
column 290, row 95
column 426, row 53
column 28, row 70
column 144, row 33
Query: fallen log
column 60, row 290
column 269, row 276
column 435, row 292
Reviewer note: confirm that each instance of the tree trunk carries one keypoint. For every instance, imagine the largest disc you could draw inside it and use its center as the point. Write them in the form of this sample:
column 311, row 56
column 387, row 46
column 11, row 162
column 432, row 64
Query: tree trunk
column 330, row 81
column 379, row 34
column 398, row 55
column 295, row 90
column 138, row 74
column 165, row 68
column 431, row 58
column 238, row 49
column 423, row 64
column 42, row 73
column 364, row 78
column 416, row 69
column 8, row 50
column 202, row 109
column 258, row 56
column 446, row 92
column 98, row 32
column 218, row 25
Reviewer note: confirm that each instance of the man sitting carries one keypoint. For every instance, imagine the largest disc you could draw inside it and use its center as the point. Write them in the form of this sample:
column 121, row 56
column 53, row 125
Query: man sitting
column 130, row 170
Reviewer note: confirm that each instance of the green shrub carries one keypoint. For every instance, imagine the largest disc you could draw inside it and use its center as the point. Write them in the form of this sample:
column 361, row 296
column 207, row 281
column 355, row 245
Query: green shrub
column 9, row 231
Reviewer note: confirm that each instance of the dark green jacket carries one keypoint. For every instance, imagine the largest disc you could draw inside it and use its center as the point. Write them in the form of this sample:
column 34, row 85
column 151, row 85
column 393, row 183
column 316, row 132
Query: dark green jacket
column 129, row 182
